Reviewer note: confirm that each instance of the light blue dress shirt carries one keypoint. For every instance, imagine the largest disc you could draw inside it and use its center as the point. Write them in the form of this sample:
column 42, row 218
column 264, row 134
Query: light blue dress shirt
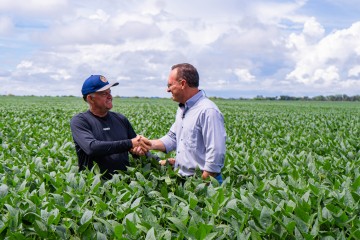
column 198, row 136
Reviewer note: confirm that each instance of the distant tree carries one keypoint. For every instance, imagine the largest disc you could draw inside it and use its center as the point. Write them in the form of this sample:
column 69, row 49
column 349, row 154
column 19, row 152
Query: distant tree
column 259, row 97
column 319, row 98
column 284, row 97
column 270, row 98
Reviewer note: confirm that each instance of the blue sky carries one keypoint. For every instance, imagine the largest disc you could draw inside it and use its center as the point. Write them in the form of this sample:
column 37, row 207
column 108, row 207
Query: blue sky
column 240, row 48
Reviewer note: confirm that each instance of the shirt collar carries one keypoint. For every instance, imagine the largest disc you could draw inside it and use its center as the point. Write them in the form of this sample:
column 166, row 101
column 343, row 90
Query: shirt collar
column 191, row 102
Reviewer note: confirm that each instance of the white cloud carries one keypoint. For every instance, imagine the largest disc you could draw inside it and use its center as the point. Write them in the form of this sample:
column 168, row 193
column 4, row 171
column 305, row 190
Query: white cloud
column 313, row 30
column 272, row 12
column 354, row 71
column 326, row 62
column 325, row 77
column 32, row 7
column 244, row 75
column 100, row 15
column 6, row 25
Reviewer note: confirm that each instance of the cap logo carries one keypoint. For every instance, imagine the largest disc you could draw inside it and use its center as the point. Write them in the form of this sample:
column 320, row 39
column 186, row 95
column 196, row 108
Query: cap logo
column 103, row 79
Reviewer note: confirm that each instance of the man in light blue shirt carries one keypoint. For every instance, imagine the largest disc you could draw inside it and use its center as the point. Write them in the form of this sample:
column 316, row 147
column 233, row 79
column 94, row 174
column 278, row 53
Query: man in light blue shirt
column 198, row 133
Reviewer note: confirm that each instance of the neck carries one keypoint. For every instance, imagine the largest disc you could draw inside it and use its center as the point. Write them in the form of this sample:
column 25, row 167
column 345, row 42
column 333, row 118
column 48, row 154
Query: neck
column 98, row 113
column 191, row 92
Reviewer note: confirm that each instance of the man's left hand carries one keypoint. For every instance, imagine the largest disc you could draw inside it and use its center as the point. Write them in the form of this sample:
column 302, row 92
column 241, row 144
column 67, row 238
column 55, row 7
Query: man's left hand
column 206, row 174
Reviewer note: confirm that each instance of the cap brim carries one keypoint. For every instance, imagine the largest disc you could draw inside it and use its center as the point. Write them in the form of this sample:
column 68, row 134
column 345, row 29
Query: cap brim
column 107, row 86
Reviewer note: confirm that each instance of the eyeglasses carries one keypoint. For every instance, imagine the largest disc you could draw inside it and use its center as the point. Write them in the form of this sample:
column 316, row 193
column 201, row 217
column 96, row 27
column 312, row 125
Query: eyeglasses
column 172, row 84
column 104, row 94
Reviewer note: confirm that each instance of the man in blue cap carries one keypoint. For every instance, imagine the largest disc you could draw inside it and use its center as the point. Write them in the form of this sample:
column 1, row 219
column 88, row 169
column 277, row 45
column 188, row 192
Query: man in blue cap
column 102, row 136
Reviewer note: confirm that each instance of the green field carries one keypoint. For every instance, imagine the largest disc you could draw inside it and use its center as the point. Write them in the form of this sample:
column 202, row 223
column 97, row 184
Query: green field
column 291, row 172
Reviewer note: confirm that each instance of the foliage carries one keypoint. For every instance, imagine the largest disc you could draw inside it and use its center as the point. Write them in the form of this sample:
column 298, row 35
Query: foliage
column 291, row 172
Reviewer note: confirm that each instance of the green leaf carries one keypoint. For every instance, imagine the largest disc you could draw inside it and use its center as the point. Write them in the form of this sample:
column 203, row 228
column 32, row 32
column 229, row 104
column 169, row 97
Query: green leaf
column 140, row 177
column 265, row 217
column 291, row 226
column 130, row 227
column 61, row 232
column 148, row 216
column 150, row 235
column 302, row 214
column 164, row 191
column 167, row 180
column 40, row 229
column 315, row 228
column 136, row 203
column 203, row 231
column 13, row 217
column 86, row 217
column 178, row 224
column 193, row 200
column 326, row 214
column 356, row 183
column 4, row 190
column 42, row 190
column 192, row 230
column 95, row 184
column 183, row 211
column 118, row 230
column 100, row 236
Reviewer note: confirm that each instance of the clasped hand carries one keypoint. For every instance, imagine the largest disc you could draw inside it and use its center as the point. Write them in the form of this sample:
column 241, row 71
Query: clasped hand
column 140, row 145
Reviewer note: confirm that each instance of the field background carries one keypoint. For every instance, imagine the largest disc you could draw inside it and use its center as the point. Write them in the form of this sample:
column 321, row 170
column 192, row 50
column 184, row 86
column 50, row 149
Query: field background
column 291, row 172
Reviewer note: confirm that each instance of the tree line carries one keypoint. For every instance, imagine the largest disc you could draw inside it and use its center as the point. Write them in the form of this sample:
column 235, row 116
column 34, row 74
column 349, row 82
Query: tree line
column 338, row 97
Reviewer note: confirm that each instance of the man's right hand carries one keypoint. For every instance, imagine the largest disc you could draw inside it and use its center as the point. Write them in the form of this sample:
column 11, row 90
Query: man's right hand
column 140, row 145
column 170, row 160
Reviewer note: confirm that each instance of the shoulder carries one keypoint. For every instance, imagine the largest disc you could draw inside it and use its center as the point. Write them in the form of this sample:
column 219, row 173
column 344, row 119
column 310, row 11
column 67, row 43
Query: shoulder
column 78, row 117
column 81, row 119
column 116, row 115
column 209, row 110
column 206, row 104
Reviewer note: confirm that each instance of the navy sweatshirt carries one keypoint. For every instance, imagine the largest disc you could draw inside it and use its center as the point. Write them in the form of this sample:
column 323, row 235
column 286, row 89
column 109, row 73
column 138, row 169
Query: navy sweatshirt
column 103, row 140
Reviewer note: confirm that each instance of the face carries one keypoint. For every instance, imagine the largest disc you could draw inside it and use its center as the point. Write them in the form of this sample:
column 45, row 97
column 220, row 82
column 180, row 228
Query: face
column 175, row 87
column 102, row 101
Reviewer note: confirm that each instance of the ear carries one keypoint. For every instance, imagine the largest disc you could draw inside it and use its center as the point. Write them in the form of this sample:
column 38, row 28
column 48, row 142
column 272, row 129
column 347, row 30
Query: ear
column 183, row 83
column 89, row 98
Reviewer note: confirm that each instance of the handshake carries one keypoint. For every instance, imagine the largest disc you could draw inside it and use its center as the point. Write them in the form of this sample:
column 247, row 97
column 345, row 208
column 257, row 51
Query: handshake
column 140, row 145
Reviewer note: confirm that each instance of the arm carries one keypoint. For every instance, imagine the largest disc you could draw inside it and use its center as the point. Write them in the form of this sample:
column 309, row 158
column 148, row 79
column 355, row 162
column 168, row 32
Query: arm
column 167, row 143
column 157, row 145
column 214, row 135
column 84, row 137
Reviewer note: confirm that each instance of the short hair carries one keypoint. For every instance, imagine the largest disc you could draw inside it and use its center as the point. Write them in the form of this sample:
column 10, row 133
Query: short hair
column 85, row 96
column 188, row 72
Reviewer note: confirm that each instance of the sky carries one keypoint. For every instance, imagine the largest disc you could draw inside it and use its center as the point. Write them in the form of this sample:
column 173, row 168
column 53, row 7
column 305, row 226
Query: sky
column 241, row 48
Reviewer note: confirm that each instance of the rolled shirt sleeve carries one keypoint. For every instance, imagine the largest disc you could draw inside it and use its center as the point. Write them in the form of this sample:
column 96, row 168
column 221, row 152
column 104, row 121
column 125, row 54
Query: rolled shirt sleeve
column 214, row 136
column 169, row 140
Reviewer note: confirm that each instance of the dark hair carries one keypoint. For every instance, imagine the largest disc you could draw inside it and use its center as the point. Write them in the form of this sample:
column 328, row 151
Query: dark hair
column 84, row 97
column 188, row 72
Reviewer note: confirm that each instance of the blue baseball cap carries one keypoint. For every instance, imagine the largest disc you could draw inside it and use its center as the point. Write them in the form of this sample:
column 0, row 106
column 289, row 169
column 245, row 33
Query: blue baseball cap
column 96, row 83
